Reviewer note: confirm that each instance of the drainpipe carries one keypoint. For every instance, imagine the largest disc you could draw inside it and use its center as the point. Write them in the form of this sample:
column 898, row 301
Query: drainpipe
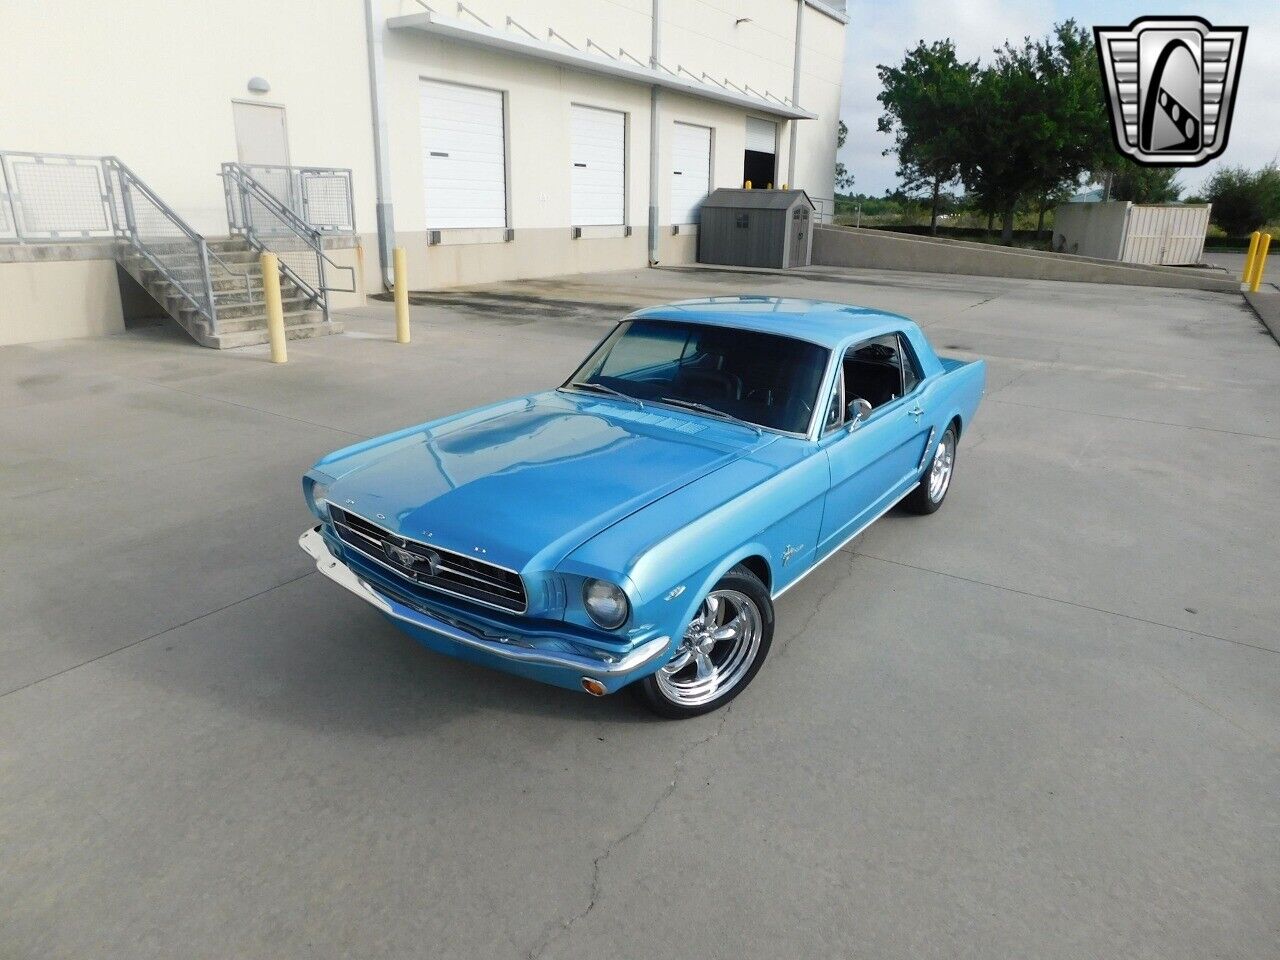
column 795, row 98
column 654, row 96
column 382, row 175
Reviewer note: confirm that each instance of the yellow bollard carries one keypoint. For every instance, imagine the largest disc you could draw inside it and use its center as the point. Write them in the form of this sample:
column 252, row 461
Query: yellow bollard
column 784, row 186
column 746, row 185
column 1254, row 239
column 1260, row 262
column 402, row 295
column 270, row 265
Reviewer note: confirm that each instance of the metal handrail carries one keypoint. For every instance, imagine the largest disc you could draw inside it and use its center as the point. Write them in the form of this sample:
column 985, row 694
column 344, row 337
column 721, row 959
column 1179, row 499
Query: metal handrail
column 130, row 181
column 296, row 180
column 112, row 204
column 242, row 191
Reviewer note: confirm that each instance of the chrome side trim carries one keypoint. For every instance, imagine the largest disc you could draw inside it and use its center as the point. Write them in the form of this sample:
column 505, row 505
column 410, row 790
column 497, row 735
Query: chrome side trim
column 928, row 445
column 836, row 549
column 313, row 544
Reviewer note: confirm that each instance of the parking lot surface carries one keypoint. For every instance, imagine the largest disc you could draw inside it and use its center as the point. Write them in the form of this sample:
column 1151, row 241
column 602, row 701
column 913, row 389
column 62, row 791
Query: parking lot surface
column 1044, row 722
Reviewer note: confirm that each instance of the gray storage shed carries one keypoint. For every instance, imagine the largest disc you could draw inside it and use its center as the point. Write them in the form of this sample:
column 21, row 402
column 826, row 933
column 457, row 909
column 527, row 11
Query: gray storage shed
column 756, row 228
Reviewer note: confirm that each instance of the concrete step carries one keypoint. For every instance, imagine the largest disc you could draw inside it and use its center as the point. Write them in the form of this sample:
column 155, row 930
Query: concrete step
column 300, row 331
column 180, row 258
column 241, row 314
column 292, row 318
column 220, row 280
column 235, row 310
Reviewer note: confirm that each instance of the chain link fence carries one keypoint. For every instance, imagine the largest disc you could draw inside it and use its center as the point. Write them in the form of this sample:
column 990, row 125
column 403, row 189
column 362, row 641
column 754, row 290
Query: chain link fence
column 319, row 196
column 54, row 197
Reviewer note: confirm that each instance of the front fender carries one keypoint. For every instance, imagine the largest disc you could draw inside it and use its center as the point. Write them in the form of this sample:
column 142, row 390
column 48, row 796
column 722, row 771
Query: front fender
column 705, row 580
column 680, row 610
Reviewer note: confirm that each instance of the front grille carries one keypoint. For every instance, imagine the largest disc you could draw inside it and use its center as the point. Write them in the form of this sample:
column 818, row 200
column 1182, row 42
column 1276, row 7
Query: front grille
column 430, row 567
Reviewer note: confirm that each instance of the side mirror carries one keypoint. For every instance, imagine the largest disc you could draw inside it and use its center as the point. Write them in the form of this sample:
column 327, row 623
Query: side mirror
column 859, row 410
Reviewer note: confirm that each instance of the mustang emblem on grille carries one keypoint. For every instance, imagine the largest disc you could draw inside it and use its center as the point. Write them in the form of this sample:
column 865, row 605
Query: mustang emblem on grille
column 418, row 563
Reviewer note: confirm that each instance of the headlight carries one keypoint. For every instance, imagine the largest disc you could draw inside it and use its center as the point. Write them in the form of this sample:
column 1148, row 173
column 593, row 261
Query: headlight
column 319, row 492
column 606, row 603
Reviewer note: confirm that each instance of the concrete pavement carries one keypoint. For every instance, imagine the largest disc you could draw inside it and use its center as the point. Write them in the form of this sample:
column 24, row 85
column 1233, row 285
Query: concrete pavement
column 1044, row 722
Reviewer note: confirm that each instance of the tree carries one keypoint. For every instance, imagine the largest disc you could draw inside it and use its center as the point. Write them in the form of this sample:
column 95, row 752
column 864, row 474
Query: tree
column 926, row 99
column 844, row 179
column 1244, row 200
column 1037, row 122
column 1145, row 184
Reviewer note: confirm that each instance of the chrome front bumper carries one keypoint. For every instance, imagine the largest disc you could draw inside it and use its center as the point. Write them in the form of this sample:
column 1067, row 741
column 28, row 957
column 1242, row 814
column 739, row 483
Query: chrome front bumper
column 511, row 648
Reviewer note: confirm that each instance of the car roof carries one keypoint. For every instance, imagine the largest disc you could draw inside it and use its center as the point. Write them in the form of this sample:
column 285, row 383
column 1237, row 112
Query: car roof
column 817, row 321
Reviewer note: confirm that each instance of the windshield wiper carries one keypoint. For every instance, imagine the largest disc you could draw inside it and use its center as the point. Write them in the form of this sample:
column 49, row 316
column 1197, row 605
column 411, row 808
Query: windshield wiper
column 703, row 408
column 585, row 385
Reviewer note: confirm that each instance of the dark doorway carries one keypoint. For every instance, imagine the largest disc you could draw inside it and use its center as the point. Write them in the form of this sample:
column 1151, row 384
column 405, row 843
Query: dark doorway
column 758, row 167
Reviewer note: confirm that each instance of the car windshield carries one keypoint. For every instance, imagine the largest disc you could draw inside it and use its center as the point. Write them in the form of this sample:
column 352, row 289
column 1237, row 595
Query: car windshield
column 761, row 378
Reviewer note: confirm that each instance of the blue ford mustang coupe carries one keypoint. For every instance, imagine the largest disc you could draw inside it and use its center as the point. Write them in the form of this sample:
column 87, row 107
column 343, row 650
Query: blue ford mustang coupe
column 633, row 526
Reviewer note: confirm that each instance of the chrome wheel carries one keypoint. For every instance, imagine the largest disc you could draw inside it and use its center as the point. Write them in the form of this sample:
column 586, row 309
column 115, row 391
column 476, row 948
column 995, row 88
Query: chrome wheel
column 940, row 473
column 718, row 649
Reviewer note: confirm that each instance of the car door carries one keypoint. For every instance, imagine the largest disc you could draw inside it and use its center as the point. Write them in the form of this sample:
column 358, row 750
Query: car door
column 877, row 459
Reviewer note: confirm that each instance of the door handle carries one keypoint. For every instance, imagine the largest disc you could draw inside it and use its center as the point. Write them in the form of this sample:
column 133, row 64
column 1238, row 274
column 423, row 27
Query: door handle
column 917, row 412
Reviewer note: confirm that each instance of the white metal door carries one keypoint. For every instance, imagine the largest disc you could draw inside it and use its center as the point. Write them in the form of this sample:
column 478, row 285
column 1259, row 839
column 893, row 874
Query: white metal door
column 1165, row 234
column 762, row 136
column 598, row 150
column 464, row 165
column 690, row 171
column 262, row 136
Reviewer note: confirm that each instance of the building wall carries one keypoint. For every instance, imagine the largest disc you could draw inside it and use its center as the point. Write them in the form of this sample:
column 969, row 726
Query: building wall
column 153, row 82
column 697, row 36
column 58, row 300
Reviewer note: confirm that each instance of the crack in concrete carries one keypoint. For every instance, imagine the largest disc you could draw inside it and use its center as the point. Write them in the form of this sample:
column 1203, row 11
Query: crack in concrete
column 566, row 926
column 153, row 636
column 1070, row 603
column 814, row 611
column 1211, row 708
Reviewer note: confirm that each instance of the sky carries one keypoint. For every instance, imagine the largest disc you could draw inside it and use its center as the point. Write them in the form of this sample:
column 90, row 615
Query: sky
column 881, row 31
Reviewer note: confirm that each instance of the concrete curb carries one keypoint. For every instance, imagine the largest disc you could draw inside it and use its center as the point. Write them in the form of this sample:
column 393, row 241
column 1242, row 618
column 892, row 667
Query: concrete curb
column 883, row 250
column 1267, row 307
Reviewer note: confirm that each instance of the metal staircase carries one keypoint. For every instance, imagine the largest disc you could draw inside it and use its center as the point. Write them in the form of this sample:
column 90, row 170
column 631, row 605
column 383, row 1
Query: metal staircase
column 235, row 288
column 211, row 288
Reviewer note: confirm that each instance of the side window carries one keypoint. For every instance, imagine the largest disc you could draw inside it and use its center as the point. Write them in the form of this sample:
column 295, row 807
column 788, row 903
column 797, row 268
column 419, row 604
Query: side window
column 910, row 368
column 873, row 371
column 835, row 411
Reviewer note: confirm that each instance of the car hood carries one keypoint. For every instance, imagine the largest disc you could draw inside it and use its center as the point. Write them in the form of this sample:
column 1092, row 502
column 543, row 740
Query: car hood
column 523, row 483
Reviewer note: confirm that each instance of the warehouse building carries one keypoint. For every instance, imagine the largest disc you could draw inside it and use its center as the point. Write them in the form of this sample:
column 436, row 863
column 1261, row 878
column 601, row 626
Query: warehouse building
column 490, row 139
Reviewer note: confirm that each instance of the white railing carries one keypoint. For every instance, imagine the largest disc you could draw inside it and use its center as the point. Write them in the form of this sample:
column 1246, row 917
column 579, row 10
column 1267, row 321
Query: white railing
column 47, row 197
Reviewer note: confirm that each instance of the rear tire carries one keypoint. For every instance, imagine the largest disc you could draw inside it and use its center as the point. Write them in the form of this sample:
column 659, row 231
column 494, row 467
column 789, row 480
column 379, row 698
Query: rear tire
column 722, row 650
column 934, row 483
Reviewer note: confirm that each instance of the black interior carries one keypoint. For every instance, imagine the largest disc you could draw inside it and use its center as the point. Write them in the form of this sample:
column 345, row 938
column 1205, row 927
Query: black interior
column 761, row 378
column 758, row 167
column 875, row 381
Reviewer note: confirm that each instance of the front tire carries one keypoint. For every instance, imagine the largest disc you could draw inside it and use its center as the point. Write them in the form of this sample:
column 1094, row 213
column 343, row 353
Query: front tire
column 934, row 483
column 723, row 649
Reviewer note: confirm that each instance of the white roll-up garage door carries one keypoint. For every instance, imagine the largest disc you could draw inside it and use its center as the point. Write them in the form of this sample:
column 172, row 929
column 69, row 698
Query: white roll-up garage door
column 463, row 156
column 690, row 170
column 762, row 136
column 598, row 149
